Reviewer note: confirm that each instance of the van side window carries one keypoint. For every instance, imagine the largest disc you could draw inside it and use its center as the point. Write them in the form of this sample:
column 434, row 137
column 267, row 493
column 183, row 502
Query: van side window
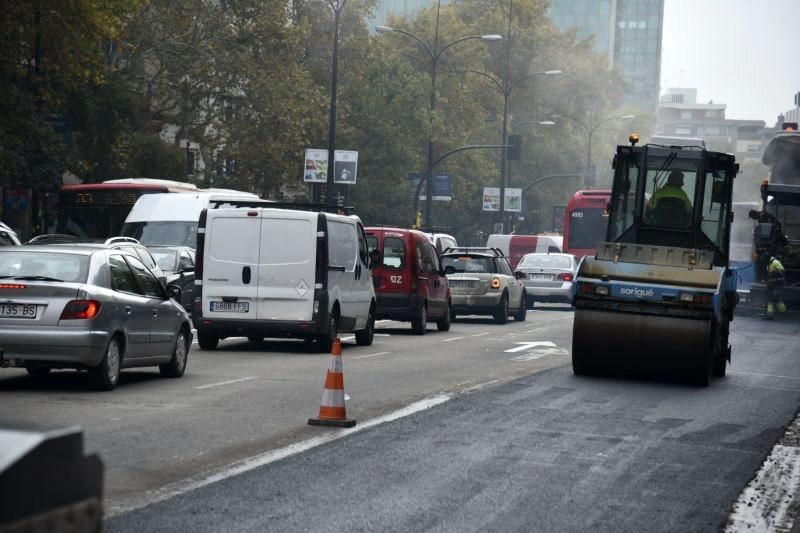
column 342, row 245
column 394, row 253
column 421, row 257
column 362, row 246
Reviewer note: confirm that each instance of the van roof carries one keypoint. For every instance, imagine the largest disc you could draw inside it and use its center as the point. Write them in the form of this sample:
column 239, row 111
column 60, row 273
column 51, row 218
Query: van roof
column 169, row 207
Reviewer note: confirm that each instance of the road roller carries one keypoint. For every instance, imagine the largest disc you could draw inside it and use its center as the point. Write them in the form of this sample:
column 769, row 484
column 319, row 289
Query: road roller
column 658, row 296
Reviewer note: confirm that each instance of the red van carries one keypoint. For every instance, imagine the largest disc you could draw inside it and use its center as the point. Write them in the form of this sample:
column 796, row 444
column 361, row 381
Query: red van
column 410, row 284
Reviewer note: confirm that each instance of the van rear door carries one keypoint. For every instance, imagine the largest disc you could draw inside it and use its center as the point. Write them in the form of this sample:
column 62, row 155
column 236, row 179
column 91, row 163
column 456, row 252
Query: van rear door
column 286, row 265
column 231, row 255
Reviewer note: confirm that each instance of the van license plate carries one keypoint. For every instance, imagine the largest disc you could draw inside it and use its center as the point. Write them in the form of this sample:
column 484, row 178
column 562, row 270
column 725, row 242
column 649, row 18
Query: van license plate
column 17, row 311
column 231, row 307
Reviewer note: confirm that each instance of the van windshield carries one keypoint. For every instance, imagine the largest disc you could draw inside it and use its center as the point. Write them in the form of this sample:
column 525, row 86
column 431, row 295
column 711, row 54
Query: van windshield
column 174, row 233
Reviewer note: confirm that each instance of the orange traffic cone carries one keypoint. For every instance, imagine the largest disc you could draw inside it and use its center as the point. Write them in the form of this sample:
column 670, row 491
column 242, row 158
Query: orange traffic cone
column 332, row 411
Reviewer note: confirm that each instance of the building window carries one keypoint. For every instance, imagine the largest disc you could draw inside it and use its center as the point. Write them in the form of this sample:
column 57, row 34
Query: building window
column 686, row 115
column 683, row 130
column 676, row 98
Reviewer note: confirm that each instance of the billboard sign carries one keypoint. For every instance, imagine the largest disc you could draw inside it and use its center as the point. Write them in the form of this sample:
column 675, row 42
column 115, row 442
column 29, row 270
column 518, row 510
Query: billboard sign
column 442, row 186
column 491, row 199
column 345, row 166
column 316, row 166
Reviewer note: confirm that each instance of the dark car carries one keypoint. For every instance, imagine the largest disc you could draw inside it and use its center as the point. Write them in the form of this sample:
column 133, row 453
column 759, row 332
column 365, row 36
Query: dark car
column 177, row 263
column 410, row 284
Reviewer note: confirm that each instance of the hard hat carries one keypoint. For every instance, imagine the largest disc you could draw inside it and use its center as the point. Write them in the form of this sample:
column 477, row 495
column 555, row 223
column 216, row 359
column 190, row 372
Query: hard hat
column 675, row 177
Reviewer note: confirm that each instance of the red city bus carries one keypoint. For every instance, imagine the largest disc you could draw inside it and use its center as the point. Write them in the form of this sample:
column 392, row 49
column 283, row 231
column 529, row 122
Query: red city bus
column 585, row 221
column 96, row 211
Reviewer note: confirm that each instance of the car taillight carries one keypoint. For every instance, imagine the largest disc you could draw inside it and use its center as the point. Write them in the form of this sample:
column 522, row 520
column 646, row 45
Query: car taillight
column 495, row 283
column 80, row 310
column 565, row 276
column 12, row 286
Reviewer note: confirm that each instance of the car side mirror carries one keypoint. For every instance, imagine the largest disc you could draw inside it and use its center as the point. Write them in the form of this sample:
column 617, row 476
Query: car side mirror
column 174, row 292
column 449, row 269
column 519, row 275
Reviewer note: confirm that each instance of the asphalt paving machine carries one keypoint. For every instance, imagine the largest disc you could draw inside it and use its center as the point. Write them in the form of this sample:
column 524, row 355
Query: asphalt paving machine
column 659, row 295
column 777, row 229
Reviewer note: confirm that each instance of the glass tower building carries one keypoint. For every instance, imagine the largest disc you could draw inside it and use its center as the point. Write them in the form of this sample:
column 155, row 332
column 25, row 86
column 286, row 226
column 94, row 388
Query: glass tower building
column 629, row 32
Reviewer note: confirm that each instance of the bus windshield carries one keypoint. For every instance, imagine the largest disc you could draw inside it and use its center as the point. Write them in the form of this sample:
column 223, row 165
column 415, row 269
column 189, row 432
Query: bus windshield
column 587, row 227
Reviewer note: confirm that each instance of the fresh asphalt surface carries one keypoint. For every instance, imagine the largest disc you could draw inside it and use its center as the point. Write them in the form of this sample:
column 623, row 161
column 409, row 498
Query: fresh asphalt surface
column 546, row 452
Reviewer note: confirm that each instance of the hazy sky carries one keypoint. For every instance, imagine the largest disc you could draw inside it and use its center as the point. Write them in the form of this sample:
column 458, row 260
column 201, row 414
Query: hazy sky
column 744, row 53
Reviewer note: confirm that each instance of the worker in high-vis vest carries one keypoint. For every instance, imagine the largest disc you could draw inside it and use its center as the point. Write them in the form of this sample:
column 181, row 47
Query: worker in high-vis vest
column 776, row 278
column 672, row 189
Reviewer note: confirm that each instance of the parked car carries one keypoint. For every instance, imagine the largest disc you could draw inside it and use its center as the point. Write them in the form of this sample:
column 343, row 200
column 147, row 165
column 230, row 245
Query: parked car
column 482, row 283
column 88, row 307
column 516, row 246
column 268, row 270
column 132, row 245
column 177, row 263
column 410, row 284
column 8, row 237
column 118, row 243
column 548, row 277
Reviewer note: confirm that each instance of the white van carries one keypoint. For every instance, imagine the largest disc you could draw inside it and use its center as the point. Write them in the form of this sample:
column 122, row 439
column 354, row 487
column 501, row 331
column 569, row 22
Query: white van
column 171, row 219
column 268, row 270
column 441, row 241
column 516, row 246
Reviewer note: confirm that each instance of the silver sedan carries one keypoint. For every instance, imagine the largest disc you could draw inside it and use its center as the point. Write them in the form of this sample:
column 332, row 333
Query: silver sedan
column 89, row 308
column 548, row 277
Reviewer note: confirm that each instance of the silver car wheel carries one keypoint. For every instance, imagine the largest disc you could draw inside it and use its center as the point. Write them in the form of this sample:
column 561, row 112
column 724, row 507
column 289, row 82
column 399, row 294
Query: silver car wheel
column 181, row 352
column 112, row 361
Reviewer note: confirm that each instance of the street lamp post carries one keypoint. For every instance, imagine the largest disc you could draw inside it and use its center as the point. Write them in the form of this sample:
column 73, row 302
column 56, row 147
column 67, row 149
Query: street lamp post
column 591, row 127
column 337, row 6
column 505, row 87
column 435, row 54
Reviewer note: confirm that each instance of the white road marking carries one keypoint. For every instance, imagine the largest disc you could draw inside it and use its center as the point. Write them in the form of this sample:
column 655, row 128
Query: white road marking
column 246, row 465
column 480, row 334
column 221, row 383
column 370, row 355
column 382, row 334
column 453, row 339
column 764, row 503
column 529, row 345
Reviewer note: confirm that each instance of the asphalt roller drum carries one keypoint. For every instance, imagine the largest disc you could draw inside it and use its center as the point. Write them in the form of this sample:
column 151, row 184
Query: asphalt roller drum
column 609, row 342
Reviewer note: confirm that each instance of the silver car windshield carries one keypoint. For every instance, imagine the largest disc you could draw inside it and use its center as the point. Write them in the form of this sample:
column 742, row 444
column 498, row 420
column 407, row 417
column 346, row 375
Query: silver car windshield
column 546, row 261
column 44, row 265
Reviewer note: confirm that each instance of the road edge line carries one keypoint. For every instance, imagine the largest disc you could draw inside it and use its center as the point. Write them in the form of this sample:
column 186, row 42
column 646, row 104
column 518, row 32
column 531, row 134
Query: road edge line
column 245, row 465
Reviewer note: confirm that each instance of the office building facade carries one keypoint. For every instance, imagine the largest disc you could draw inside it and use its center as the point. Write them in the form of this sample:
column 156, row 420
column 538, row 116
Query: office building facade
column 629, row 33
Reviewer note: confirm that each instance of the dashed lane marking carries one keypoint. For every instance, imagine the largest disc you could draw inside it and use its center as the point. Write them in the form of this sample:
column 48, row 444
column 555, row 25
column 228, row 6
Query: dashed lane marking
column 480, row 334
column 453, row 339
column 370, row 355
column 221, row 383
column 763, row 375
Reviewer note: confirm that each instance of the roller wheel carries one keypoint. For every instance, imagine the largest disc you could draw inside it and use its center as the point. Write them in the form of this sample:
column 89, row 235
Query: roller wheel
column 501, row 313
column 702, row 375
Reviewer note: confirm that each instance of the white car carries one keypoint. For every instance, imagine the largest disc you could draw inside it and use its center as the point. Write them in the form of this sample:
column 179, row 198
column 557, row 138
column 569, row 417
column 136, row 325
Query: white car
column 548, row 277
column 267, row 270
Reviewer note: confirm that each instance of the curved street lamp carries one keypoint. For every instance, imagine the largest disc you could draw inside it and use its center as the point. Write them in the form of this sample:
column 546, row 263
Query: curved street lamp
column 590, row 128
column 435, row 53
